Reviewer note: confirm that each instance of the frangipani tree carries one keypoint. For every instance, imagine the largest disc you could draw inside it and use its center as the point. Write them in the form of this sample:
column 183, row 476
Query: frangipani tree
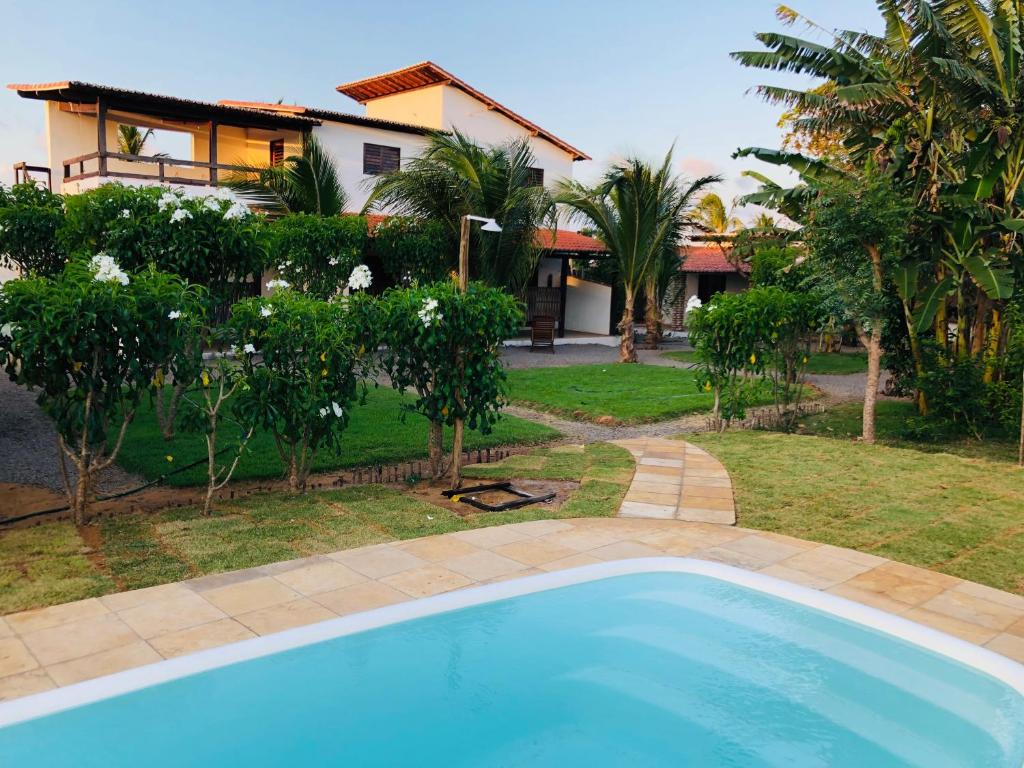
column 92, row 341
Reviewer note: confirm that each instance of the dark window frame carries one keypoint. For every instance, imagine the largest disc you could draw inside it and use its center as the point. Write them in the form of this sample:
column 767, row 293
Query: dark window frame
column 380, row 158
column 276, row 152
column 535, row 177
column 709, row 284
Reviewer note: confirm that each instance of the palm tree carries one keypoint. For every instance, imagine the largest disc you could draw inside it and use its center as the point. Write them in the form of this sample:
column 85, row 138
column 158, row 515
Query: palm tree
column 131, row 140
column 711, row 215
column 640, row 212
column 456, row 176
column 306, row 183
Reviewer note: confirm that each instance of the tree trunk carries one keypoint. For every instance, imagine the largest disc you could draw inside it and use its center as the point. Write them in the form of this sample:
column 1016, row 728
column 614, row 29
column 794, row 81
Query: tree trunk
column 915, row 353
column 652, row 316
column 435, row 449
column 167, row 411
column 874, row 346
column 627, row 349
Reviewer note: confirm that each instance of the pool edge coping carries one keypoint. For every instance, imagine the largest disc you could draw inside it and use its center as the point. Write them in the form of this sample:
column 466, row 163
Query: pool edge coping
column 50, row 702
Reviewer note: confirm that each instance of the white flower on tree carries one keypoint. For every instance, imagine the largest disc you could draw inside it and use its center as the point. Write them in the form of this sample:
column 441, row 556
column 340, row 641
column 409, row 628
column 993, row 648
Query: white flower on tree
column 360, row 279
column 338, row 410
column 428, row 314
column 333, row 261
column 272, row 284
column 174, row 314
column 106, row 270
column 266, row 311
column 167, row 200
column 126, row 214
column 7, row 331
column 212, row 204
column 180, row 214
column 692, row 303
column 323, row 413
column 249, row 349
column 236, row 211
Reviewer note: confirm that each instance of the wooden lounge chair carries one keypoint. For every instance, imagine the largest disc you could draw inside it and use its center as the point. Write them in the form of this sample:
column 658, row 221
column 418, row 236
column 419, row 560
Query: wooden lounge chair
column 542, row 334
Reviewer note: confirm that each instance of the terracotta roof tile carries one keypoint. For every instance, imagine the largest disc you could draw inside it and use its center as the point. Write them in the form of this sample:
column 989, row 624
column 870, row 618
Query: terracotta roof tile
column 705, row 258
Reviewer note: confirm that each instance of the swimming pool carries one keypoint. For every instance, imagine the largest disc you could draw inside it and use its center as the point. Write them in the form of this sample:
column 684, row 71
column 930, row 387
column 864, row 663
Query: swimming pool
column 651, row 662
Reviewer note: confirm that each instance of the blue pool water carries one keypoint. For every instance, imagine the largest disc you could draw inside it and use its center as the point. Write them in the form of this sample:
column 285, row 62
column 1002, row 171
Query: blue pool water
column 649, row 669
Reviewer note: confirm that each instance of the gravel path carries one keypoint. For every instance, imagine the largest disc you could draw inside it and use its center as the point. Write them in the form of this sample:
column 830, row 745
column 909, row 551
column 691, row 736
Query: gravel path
column 28, row 445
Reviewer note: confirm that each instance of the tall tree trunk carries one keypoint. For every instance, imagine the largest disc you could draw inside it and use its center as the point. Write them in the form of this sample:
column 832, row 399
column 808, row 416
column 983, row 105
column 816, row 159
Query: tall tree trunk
column 873, row 342
column 627, row 349
column 652, row 316
column 915, row 353
column 435, row 449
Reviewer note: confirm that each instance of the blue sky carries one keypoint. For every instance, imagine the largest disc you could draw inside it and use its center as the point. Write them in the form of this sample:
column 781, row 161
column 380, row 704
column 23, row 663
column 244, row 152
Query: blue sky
column 610, row 78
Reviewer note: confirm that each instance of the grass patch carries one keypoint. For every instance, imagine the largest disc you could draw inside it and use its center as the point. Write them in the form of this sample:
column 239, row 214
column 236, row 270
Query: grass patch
column 50, row 563
column 630, row 394
column 891, row 416
column 833, row 363
column 949, row 513
column 376, row 434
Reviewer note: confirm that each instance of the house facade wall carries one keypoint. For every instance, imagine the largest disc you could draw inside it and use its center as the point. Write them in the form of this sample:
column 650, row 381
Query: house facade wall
column 588, row 306
column 734, row 283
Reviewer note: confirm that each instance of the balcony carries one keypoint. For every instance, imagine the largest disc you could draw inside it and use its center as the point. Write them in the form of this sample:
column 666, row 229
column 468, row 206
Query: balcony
column 158, row 169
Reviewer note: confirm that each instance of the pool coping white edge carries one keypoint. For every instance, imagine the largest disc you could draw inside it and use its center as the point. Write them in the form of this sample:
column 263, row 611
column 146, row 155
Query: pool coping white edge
column 38, row 705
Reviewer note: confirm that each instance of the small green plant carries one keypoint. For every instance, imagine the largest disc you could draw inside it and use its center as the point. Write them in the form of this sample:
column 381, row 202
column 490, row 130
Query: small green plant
column 415, row 249
column 444, row 345
column 92, row 341
column 302, row 360
column 316, row 254
column 30, row 218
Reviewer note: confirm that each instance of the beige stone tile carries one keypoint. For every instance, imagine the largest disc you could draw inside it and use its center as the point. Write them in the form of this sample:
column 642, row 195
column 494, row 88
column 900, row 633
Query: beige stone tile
column 698, row 535
column 483, row 565
column 699, row 515
column 193, row 639
column 5, row 629
column 25, row 684
column 714, row 474
column 278, row 618
column 643, row 479
column 974, row 610
column 321, row 577
column 764, row 549
column 534, row 552
column 624, row 550
column 825, row 565
column 731, row 557
column 426, row 581
column 583, row 538
column 573, row 561
column 639, row 509
column 493, row 536
column 43, row 618
column 661, row 499
column 435, row 548
column 1017, row 628
column 162, row 616
column 653, row 469
column 106, row 662
column 249, row 596
column 15, row 658
column 972, row 633
column 542, row 527
column 853, row 556
column 655, row 462
column 516, row 575
column 378, row 561
column 121, row 601
column 79, row 638
column 707, row 502
column 909, row 585
column 1011, row 646
column 671, row 543
column 360, row 597
column 804, row 578
column 872, row 599
column 1010, row 600
column 644, row 486
column 706, row 492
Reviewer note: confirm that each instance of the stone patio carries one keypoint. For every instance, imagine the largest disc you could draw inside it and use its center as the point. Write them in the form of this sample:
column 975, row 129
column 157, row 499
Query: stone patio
column 679, row 504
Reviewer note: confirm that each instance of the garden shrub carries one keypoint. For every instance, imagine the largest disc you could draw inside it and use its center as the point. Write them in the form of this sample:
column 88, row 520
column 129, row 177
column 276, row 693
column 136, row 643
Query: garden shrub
column 410, row 249
column 444, row 345
column 92, row 341
column 30, row 218
column 316, row 254
column 303, row 360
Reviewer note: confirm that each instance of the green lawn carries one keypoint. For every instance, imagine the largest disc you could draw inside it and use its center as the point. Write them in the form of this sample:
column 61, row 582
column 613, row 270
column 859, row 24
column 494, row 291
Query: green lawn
column 51, row 564
column 844, row 422
column 820, row 362
column 376, row 434
column 953, row 514
column 630, row 394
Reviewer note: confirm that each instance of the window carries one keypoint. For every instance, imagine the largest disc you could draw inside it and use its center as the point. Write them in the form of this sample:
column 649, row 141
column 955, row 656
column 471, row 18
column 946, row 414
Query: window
column 535, row 177
column 380, row 159
column 708, row 284
column 277, row 151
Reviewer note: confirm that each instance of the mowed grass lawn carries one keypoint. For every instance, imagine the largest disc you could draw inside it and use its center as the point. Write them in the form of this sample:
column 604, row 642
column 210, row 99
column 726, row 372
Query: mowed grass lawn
column 630, row 394
column 376, row 434
column 955, row 514
column 820, row 362
column 51, row 563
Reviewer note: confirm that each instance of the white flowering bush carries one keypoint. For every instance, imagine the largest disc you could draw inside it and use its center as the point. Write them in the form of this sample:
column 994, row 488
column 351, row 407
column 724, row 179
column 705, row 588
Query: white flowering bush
column 360, row 279
column 30, row 221
column 92, row 345
column 303, row 360
column 444, row 344
column 319, row 255
column 692, row 303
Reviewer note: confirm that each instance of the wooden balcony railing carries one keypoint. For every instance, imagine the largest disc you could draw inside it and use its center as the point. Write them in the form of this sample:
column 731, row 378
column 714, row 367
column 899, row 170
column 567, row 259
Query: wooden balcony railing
column 98, row 164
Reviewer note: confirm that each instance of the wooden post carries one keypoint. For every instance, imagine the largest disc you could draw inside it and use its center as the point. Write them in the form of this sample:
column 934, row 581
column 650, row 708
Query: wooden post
column 563, row 292
column 101, row 135
column 460, row 427
column 464, row 255
column 213, row 153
